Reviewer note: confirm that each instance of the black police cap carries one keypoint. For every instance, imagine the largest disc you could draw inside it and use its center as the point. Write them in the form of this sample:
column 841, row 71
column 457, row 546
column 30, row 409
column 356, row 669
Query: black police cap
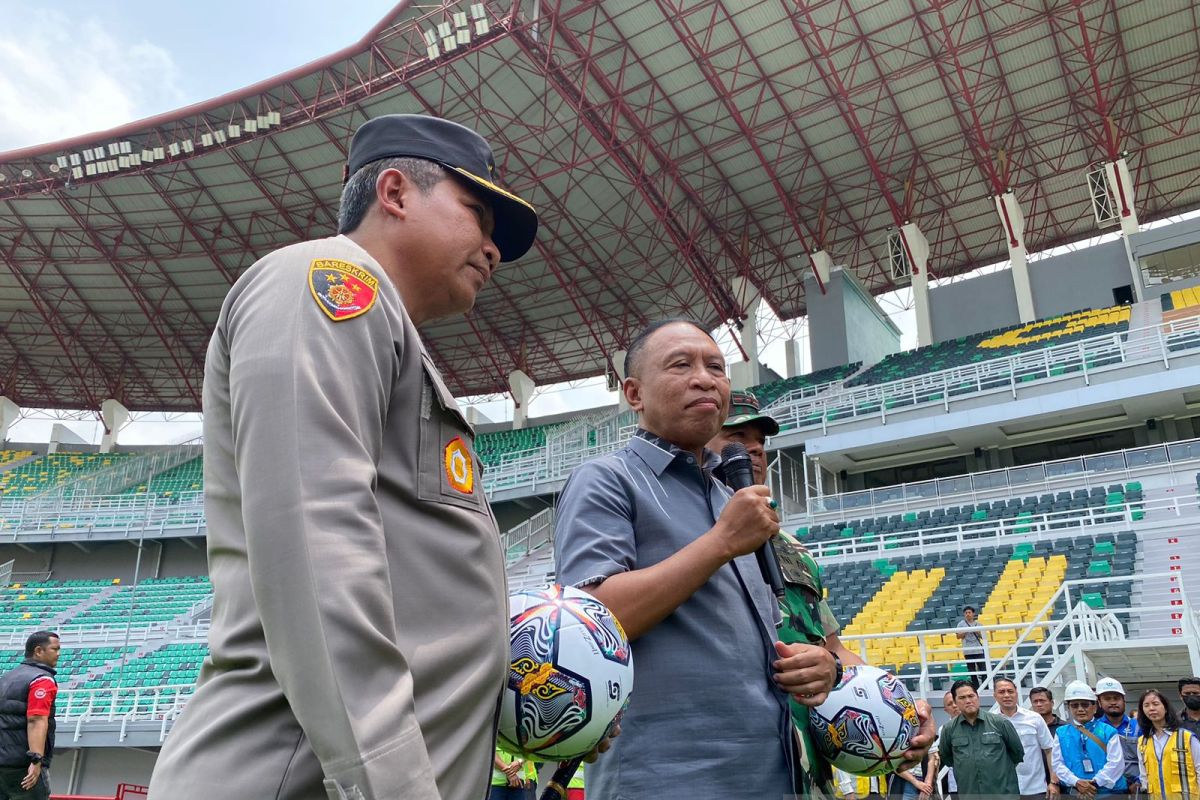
column 458, row 149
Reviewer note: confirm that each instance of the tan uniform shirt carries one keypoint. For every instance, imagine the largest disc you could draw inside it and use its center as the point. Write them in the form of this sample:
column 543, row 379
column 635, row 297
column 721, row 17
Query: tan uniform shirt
column 359, row 637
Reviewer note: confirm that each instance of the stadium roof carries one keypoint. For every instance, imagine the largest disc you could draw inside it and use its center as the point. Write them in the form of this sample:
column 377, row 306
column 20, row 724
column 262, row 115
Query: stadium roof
column 670, row 147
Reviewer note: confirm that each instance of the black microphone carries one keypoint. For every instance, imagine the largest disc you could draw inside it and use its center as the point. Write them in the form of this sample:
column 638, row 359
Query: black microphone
column 739, row 473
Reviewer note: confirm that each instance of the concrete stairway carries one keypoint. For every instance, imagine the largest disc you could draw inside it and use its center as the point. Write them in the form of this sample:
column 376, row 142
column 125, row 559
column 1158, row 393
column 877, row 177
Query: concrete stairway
column 1144, row 319
column 1166, row 549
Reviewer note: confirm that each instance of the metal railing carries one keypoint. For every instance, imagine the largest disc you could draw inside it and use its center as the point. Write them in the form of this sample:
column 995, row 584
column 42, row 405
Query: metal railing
column 532, row 534
column 969, row 535
column 1007, row 374
column 132, row 514
column 1174, row 458
column 89, row 635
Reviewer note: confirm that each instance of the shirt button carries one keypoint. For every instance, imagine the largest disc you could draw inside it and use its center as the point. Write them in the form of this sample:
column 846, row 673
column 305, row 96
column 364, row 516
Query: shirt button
column 691, row 460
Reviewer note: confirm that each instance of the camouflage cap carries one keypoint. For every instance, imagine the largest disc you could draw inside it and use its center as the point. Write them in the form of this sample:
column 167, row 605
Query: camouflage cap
column 744, row 410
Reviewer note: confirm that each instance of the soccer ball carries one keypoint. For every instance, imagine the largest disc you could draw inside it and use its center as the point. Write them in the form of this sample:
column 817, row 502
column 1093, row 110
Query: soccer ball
column 570, row 675
column 866, row 723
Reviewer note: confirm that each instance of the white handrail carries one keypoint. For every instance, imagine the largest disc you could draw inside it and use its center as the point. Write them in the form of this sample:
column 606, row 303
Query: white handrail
column 970, row 535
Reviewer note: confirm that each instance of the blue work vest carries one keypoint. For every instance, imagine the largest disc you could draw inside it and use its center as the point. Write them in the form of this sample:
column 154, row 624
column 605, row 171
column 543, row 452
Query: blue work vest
column 1075, row 745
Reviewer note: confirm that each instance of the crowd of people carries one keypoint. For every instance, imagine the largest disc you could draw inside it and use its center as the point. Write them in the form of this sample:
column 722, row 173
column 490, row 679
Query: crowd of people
column 1032, row 753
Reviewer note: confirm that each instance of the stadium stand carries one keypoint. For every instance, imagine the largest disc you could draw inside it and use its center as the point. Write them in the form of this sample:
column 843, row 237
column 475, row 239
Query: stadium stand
column 153, row 601
column 187, row 477
column 26, row 606
column 493, row 446
column 1063, row 506
column 768, row 393
column 175, row 664
column 998, row 343
column 75, row 665
column 1010, row 583
column 52, row 470
column 11, row 456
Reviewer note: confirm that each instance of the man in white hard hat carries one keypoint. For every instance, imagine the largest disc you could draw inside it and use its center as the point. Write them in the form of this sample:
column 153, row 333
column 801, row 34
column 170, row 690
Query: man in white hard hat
column 1087, row 755
column 1110, row 695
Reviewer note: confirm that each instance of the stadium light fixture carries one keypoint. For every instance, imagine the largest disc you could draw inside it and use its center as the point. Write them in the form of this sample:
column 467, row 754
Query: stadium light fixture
column 482, row 26
column 61, row 162
column 431, row 47
column 55, row 168
column 462, row 33
column 114, row 148
column 188, row 146
column 123, row 162
column 250, row 125
column 235, row 131
column 173, row 149
column 90, row 169
column 206, row 139
column 76, row 172
column 87, row 155
column 102, row 167
column 75, row 160
column 126, row 148
column 147, row 155
column 449, row 42
column 26, row 173
column 274, row 118
column 159, row 154
column 219, row 136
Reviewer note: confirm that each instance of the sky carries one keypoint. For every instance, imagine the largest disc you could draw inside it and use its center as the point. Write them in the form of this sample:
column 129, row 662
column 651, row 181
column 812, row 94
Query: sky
column 70, row 67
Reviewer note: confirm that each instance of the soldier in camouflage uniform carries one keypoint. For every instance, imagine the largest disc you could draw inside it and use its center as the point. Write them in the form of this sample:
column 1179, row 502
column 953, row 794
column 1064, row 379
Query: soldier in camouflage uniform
column 806, row 616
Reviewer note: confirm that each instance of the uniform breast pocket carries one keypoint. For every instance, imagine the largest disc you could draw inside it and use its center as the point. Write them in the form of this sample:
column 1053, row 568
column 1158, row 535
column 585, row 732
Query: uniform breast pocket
column 449, row 469
column 991, row 745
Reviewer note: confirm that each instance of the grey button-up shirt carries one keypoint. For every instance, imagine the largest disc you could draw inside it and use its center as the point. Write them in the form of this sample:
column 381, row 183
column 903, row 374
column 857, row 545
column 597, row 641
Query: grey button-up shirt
column 705, row 719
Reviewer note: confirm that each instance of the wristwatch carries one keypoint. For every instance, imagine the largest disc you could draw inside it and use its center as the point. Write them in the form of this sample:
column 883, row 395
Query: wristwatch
column 34, row 758
column 837, row 675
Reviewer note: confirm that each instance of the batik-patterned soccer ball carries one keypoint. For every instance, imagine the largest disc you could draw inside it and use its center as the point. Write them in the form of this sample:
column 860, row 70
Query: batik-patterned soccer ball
column 569, row 677
column 866, row 723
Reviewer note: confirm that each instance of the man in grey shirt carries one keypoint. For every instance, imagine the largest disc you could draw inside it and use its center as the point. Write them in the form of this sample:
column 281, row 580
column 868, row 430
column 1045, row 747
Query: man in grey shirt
column 670, row 550
column 972, row 645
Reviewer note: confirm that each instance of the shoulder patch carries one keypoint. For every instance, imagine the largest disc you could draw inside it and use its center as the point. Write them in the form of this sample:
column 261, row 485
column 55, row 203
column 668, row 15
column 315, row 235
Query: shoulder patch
column 342, row 290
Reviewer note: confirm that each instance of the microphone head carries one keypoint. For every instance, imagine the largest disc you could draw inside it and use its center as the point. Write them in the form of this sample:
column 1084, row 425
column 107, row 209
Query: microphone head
column 733, row 451
column 737, row 466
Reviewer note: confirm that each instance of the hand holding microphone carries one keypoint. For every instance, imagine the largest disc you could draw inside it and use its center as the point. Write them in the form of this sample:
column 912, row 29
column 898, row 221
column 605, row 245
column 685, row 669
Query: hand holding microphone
column 751, row 515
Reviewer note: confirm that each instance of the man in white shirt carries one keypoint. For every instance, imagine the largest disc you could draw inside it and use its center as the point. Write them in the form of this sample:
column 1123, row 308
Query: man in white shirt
column 1035, row 738
column 973, row 646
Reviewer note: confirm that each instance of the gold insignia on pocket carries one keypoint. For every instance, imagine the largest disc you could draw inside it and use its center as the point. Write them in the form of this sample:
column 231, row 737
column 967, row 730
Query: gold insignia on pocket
column 460, row 469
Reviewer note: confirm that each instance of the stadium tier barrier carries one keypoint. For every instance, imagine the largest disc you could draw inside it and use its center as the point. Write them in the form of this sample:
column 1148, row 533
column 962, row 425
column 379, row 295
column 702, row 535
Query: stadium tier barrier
column 1177, row 459
column 1037, row 651
column 55, row 469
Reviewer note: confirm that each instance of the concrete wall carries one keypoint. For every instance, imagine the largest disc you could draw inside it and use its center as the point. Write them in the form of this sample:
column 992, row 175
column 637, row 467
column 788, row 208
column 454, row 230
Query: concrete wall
column 1062, row 284
column 845, row 324
column 96, row 771
column 105, row 560
column 1145, row 243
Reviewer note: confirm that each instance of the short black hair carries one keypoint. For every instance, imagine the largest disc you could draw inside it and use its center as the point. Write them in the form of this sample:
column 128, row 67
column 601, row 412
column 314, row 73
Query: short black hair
column 38, row 639
column 633, row 353
column 1000, row 678
column 359, row 191
column 970, row 608
column 954, row 687
column 1192, row 681
column 1041, row 690
column 1145, row 726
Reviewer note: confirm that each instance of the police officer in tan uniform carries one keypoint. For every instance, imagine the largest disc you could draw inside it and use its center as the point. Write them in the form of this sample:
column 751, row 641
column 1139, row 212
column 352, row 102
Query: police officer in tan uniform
column 359, row 633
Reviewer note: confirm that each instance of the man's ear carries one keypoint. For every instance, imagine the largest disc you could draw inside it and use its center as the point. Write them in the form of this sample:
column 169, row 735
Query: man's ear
column 632, row 389
column 392, row 192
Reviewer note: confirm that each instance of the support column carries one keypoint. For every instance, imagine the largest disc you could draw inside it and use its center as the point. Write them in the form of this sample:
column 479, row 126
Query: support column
column 744, row 374
column 114, row 416
column 521, row 386
column 10, row 412
column 1121, row 186
column 1012, row 222
column 917, row 251
column 822, row 266
column 617, row 357
column 59, row 434
column 792, row 358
